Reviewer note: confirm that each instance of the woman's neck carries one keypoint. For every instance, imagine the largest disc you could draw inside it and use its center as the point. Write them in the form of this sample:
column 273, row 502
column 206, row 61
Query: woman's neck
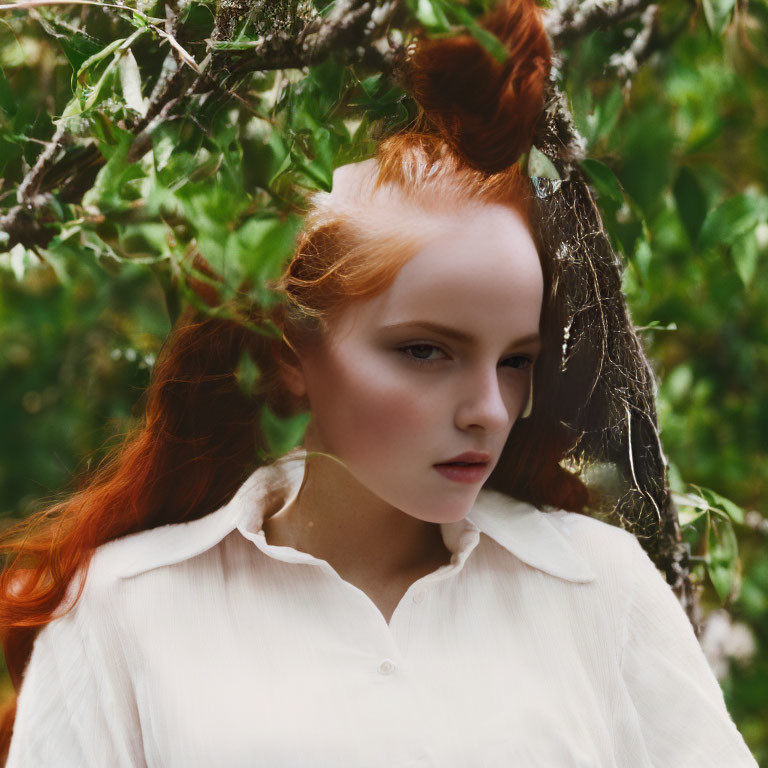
column 337, row 519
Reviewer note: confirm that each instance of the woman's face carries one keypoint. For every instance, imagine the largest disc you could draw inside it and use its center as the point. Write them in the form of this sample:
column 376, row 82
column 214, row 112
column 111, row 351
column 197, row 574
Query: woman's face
column 392, row 396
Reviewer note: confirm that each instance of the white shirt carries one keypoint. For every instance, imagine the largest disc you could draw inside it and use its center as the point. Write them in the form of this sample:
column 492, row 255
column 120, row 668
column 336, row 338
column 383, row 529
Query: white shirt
column 549, row 641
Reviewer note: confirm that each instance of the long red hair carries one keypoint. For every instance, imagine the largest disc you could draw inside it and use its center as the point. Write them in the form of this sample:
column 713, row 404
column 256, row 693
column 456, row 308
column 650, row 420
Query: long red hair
column 201, row 434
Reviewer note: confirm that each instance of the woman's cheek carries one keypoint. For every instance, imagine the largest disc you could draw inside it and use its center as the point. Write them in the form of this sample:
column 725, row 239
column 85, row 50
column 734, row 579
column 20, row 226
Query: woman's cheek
column 400, row 413
column 392, row 405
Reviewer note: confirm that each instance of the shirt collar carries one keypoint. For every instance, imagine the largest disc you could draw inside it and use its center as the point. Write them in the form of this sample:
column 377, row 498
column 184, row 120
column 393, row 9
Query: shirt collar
column 522, row 529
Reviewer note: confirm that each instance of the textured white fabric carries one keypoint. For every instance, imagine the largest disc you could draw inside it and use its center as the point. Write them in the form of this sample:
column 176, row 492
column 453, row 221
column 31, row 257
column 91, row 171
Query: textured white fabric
column 549, row 641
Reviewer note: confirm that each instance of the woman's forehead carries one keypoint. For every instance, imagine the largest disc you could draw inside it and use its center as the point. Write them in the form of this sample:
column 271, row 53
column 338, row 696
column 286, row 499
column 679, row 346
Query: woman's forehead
column 468, row 256
column 356, row 183
column 477, row 264
column 480, row 280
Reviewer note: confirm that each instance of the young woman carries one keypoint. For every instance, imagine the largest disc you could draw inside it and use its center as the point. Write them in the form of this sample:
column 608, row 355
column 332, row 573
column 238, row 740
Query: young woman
column 413, row 585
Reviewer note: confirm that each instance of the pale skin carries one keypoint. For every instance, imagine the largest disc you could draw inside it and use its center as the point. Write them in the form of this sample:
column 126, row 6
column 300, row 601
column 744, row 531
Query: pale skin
column 389, row 418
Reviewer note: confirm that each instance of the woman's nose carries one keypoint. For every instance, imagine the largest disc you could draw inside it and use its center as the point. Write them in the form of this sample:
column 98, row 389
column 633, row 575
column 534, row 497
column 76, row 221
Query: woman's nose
column 482, row 402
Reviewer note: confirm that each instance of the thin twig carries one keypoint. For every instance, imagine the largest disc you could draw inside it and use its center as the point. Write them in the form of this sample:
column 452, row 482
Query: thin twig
column 24, row 4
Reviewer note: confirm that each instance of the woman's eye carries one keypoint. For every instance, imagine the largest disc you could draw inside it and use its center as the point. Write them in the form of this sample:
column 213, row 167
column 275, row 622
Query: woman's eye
column 419, row 353
column 420, row 348
column 521, row 361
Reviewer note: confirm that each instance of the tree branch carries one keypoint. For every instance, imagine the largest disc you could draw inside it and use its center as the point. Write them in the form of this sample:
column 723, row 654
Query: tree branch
column 352, row 27
column 569, row 20
column 628, row 62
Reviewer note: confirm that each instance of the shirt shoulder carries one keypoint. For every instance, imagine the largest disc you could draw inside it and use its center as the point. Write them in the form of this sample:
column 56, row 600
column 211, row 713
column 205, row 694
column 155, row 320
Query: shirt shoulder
column 173, row 543
column 570, row 546
column 164, row 545
column 607, row 548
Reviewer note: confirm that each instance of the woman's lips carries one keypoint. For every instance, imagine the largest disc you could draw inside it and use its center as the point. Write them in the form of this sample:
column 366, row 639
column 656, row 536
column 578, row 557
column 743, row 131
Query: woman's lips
column 459, row 474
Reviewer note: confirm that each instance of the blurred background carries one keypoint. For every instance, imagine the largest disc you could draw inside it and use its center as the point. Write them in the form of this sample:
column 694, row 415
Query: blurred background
column 96, row 226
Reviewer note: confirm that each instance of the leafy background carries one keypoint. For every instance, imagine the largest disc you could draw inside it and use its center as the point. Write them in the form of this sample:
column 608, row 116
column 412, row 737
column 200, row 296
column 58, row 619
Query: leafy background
column 671, row 102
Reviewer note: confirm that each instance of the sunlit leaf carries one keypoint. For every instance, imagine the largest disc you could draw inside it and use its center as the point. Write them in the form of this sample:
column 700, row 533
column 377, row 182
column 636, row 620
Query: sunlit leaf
column 718, row 14
column 722, row 553
column 18, row 261
column 642, row 257
column 283, row 434
column 431, row 15
column 106, row 193
column 130, row 79
column 262, row 245
column 603, row 179
column 745, row 256
column 732, row 510
column 247, row 374
column 733, row 218
column 539, row 165
column 106, row 51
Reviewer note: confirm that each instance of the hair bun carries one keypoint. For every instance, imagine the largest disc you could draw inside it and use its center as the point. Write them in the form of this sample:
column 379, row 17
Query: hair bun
column 485, row 110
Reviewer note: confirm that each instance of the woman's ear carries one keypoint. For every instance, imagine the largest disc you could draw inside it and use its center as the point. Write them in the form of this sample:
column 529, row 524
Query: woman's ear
column 293, row 378
column 291, row 372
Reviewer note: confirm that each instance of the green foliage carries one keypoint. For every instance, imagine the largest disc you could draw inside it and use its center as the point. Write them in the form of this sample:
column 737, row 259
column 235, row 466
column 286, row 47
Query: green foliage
column 678, row 165
column 283, row 434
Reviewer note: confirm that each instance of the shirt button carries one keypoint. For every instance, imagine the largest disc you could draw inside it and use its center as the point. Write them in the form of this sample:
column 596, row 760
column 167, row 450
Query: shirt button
column 387, row 667
column 418, row 595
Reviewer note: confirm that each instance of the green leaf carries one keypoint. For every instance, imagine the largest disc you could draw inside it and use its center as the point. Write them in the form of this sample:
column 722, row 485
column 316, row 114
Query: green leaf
column 102, row 54
column 706, row 501
column 732, row 510
column 733, row 218
column 78, row 48
column 130, row 80
column 145, row 242
column 164, row 141
column 283, row 434
column 106, row 193
column 603, row 180
column 689, row 515
column 261, row 246
column 722, row 557
column 596, row 119
column 718, row 14
column 7, row 103
column 247, row 374
column 371, row 84
column 581, row 103
column 691, row 202
column 690, row 507
column 607, row 112
column 87, row 97
column 655, row 325
column 77, row 45
column 279, row 150
column 745, row 254
column 319, row 170
column 487, row 39
column 540, row 166
column 18, row 260
column 642, row 256
column 431, row 15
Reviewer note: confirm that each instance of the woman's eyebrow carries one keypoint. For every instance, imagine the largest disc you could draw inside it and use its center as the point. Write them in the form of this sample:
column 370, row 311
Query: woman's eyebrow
column 454, row 333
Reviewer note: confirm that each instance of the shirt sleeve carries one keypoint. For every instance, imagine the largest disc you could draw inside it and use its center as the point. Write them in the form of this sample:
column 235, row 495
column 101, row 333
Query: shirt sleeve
column 679, row 702
column 76, row 708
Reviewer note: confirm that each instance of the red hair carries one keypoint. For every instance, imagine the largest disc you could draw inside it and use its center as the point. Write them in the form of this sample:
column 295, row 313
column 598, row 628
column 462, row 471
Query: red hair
column 202, row 435
column 486, row 111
